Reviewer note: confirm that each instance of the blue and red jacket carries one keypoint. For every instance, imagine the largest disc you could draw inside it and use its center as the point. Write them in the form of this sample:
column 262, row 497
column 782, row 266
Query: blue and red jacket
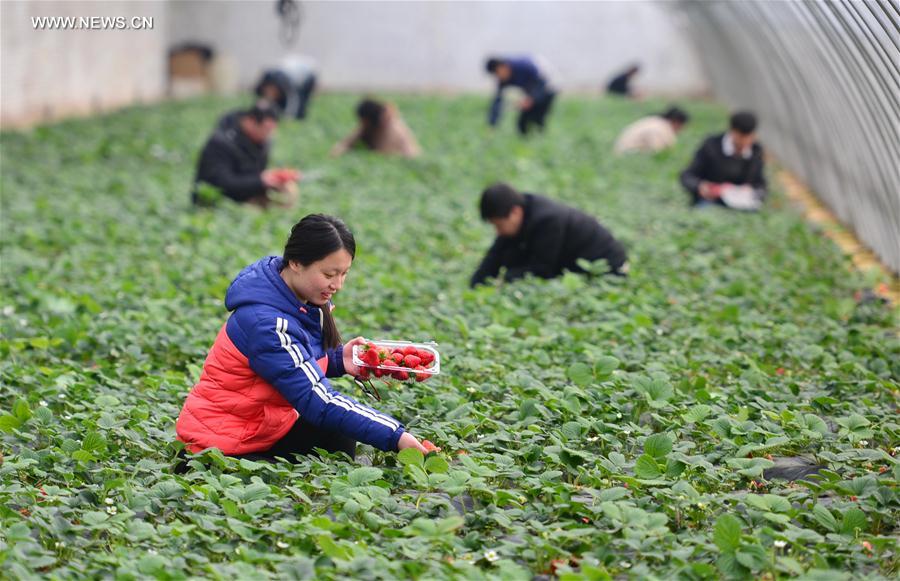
column 265, row 370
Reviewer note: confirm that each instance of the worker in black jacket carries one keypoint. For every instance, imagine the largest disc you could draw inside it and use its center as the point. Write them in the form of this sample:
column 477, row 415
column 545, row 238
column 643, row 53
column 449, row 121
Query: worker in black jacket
column 235, row 157
column 543, row 237
column 725, row 160
column 620, row 85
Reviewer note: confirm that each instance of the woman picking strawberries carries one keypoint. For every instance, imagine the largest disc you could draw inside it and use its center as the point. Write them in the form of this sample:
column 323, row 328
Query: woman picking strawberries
column 264, row 392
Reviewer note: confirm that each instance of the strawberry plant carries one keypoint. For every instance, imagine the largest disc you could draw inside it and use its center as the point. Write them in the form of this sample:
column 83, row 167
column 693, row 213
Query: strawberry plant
column 729, row 410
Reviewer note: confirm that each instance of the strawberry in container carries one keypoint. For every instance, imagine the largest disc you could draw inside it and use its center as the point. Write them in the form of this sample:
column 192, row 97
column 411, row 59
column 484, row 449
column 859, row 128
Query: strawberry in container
column 400, row 360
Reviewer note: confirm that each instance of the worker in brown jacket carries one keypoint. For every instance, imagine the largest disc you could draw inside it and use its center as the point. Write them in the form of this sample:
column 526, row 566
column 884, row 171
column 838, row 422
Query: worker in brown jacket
column 652, row 134
column 380, row 129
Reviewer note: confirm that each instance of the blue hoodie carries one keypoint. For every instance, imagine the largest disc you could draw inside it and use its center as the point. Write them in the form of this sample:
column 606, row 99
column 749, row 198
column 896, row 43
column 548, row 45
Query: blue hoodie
column 282, row 340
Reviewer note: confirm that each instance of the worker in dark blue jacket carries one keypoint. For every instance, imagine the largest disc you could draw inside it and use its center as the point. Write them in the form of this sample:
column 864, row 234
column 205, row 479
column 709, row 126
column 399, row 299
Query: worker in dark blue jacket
column 521, row 72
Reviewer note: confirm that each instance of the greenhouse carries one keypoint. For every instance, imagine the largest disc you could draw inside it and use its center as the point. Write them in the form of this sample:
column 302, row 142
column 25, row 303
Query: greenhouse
column 449, row 290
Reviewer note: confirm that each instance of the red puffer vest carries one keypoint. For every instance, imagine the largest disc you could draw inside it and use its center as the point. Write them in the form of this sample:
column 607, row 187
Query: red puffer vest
column 231, row 407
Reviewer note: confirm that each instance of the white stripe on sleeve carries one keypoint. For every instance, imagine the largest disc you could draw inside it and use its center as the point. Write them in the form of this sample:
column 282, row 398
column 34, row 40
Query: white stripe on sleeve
column 280, row 330
column 343, row 402
column 315, row 379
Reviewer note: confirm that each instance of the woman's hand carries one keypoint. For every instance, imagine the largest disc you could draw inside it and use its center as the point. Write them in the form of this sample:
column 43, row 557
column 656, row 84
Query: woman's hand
column 350, row 367
column 407, row 440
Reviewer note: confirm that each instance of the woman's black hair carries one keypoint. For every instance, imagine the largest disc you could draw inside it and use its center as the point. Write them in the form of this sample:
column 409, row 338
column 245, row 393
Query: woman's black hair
column 312, row 239
column 370, row 112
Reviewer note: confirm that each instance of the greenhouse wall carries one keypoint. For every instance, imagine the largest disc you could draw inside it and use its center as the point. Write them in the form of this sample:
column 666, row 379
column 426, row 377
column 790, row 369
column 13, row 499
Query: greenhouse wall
column 56, row 68
column 824, row 78
column 442, row 45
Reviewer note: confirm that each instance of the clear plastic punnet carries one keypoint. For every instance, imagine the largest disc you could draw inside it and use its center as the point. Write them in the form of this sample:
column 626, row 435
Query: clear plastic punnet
column 394, row 356
column 741, row 198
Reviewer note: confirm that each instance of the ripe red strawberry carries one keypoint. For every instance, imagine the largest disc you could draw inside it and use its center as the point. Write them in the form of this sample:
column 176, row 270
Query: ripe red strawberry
column 285, row 175
column 410, row 350
column 397, row 357
column 380, row 372
column 370, row 357
column 555, row 564
column 412, row 361
column 421, row 375
column 426, row 356
column 400, row 375
column 369, row 354
column 430, row 447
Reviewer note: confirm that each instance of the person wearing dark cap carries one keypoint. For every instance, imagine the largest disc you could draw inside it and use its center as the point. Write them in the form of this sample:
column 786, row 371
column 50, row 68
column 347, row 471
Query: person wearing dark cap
column 235, row 158
column 653, row 133
column 542, row 237
column 523, row 73
column 620, row 85
column 728, row 168
column 380, row 129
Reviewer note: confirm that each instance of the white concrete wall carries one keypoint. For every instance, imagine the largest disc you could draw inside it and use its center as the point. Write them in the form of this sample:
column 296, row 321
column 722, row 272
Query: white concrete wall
column 373, row 45
column 48, row 74
column 441, row 45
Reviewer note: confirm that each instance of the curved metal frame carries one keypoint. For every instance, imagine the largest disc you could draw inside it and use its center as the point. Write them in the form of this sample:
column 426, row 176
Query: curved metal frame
column 824, row 78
